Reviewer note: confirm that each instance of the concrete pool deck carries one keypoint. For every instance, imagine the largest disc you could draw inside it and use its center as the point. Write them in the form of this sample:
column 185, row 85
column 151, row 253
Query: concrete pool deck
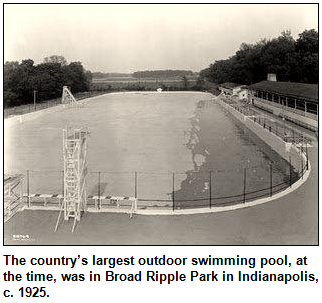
column 288, row 220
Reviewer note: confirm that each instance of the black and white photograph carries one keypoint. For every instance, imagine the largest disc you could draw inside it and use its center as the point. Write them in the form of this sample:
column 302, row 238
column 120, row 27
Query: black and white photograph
column 160, row 124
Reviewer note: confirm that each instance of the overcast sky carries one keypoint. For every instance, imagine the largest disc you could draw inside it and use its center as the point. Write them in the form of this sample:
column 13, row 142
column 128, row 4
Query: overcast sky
column 132, row 37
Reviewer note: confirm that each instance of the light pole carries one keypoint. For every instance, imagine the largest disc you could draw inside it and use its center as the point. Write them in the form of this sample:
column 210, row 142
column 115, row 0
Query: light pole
column 283, row 109
column 35, row 100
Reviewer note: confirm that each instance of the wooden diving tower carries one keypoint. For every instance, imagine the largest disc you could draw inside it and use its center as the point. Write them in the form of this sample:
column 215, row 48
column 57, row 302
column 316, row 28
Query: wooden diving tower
column 75, row 171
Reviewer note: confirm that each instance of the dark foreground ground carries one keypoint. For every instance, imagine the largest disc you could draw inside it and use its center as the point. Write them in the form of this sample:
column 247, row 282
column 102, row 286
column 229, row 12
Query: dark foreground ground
column 290, row 220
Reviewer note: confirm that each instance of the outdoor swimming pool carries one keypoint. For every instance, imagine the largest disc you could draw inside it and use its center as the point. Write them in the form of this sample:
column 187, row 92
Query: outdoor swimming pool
column 157, row 146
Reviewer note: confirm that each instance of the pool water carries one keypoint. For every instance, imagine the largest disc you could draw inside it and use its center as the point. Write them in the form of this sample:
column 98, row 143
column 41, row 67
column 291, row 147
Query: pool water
column 153, row 145
column 229, row 161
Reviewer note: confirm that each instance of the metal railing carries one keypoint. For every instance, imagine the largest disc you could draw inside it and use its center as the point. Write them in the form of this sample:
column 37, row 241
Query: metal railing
column 286, row 133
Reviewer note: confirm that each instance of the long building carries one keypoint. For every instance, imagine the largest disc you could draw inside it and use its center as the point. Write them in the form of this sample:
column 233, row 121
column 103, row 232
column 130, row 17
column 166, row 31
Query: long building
column 296, row 102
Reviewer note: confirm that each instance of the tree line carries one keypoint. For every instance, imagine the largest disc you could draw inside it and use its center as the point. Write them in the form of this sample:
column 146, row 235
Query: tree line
column 291, row 60
column 20, row 80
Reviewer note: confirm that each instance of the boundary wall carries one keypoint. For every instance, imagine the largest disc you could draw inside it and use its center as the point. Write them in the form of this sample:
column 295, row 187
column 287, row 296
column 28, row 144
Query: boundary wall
column 286, row 150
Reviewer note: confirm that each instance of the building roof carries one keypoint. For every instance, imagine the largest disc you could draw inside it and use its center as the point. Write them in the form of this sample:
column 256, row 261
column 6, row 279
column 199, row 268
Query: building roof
column 305, row 91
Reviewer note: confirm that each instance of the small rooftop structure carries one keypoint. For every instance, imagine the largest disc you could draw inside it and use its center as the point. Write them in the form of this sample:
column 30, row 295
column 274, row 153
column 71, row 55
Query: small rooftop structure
column 271, row 77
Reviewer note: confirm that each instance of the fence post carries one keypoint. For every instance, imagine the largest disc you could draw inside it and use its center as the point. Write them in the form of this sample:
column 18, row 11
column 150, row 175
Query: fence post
column 135, row 185
column 28, row 188
column 271, row 178
column 307, row 157
column 210, row 189
column 99, row 190
column 173, row 192
column 244, row 185
column 63, row 186
column 302, row 171
column 290, row 172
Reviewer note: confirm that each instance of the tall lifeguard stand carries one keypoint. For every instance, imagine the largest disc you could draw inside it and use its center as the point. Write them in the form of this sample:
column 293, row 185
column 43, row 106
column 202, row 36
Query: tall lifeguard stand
column 75, row 170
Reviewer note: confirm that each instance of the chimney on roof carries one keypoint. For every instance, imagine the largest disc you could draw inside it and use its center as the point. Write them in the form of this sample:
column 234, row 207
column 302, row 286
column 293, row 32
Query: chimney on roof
column 271, row 77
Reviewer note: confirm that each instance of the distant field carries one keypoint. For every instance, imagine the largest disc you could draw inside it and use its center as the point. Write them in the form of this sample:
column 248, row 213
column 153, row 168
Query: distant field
column 132, row 79
column 113, row 79
column 131, row 83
